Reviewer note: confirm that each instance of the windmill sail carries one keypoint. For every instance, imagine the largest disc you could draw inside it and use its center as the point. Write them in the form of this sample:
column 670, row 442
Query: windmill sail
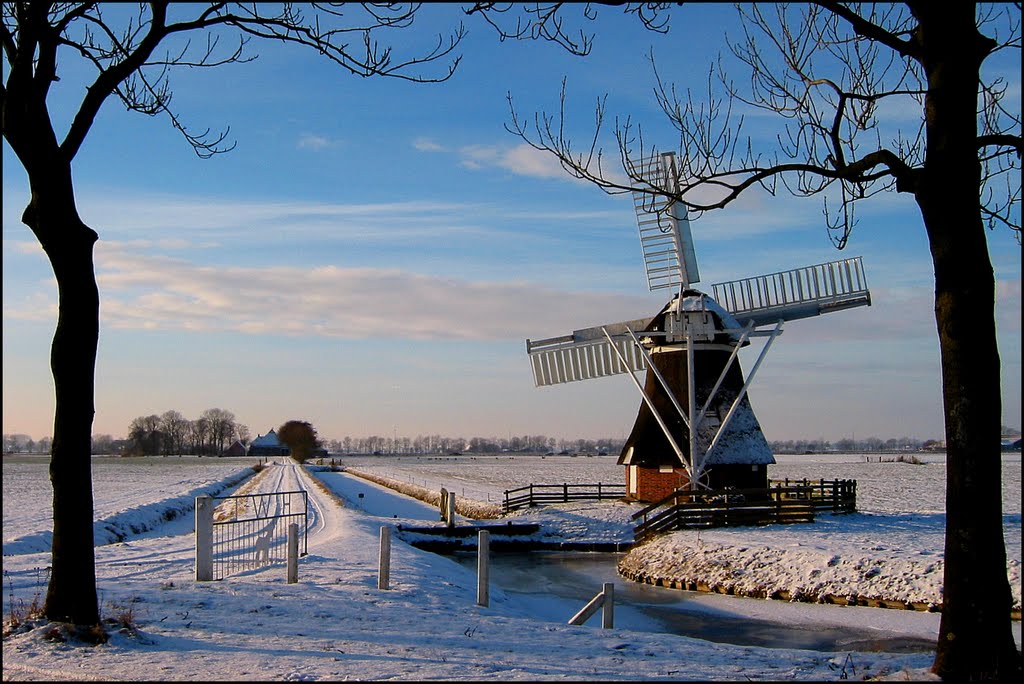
column 797, row 293
column 586, row 354
column 664, row 227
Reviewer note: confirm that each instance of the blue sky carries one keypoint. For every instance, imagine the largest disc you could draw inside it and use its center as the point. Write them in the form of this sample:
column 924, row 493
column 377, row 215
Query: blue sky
column 373, row 254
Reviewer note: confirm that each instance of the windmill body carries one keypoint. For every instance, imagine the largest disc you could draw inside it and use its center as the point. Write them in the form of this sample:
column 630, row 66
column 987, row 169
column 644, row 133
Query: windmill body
column 742, row 454
column 695, row 427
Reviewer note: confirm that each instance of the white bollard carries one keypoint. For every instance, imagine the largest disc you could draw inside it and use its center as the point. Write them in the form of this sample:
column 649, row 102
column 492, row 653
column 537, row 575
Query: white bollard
column 605, row 601
column 204, row 538
column 293, row 553
column 483, row 568
column 384, row 574
column 450, row 514
column 608, row 608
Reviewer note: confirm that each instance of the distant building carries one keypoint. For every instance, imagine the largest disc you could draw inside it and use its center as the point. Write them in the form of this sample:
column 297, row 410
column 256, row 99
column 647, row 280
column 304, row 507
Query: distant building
column 236, row 449
column 268, row 445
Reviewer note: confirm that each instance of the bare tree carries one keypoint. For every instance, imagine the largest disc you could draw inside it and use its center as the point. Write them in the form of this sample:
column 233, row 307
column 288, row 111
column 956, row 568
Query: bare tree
column 221, row 429
column 242, row 433
column 829, row 70
column 133, row 51
column 146, row 436
column 175, row 428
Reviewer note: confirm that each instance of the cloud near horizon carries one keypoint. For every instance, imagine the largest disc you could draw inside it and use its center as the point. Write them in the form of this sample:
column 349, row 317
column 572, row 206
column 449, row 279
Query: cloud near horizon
column 143, row 291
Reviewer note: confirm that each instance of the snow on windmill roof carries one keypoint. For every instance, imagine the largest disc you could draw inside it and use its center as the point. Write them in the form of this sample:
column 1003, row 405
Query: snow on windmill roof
column 268, row 440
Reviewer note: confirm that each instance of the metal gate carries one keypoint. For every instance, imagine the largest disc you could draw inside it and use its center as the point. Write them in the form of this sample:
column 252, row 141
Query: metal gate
column 247, row 531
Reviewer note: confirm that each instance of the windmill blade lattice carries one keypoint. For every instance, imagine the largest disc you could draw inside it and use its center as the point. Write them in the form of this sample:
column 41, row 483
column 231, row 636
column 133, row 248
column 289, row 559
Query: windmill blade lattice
column 665, row 237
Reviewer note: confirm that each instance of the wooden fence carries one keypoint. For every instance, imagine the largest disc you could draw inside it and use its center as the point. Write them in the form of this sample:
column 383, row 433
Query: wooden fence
column 838, row 496
column 783, row 502
column 540, row 494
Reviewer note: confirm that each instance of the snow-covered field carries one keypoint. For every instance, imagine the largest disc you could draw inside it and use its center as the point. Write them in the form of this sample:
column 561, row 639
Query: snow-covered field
column 335, row 624
column 130, row 495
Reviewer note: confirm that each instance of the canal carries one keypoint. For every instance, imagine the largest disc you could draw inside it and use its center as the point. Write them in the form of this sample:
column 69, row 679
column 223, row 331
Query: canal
column 554, row 585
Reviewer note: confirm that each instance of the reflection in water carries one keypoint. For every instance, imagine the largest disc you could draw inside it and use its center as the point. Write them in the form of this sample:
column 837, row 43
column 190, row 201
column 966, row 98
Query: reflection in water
column 578, row 576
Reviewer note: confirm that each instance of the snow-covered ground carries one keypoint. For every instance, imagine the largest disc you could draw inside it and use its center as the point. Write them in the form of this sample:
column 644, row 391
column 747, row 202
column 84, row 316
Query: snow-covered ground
column 335, row 624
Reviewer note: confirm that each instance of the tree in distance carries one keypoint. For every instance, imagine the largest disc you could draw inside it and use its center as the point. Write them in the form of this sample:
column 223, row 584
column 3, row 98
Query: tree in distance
column 300, row 437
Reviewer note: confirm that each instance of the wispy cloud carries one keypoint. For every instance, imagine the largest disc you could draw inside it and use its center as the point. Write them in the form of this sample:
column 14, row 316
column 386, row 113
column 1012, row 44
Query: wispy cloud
column 524, row 160
column 312, row 141
column 208, row 221
column 142, row 291
column 427, row 145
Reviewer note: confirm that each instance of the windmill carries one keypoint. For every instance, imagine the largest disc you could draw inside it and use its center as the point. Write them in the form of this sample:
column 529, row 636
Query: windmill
column 695, row 426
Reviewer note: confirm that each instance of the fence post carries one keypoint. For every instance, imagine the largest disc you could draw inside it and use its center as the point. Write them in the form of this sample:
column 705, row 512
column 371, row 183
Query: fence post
column 483, row 568
column 608, row 608
column 293, row 553
column 565, row 492
column 384, row 574
column 204, row 538
column 450, row 513
column 444, row 504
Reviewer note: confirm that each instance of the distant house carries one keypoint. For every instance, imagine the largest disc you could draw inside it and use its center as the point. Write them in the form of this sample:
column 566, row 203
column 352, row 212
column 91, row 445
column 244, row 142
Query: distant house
column 236, row 449
column 268, row 445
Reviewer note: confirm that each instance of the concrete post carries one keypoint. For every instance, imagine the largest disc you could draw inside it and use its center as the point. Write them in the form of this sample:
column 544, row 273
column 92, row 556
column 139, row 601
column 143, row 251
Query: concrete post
column 450, row 513
column 293, row 553
column 204, row 538
column 483, row 568
column 608, row 608
column 384, row 573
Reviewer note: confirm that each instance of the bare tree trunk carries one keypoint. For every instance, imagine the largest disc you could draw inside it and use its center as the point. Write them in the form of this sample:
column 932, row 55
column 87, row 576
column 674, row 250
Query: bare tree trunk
column 68, row 242
column 975, row 639
column 976, row 592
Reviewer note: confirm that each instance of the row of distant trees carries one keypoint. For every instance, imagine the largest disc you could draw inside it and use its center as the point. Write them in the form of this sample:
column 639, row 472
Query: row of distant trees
column 214, row 430
column 172, row 433
column 800, row 446
column 441, row 444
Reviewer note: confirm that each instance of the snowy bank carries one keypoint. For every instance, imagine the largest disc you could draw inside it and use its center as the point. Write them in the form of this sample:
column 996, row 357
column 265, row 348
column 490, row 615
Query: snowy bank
column 132, row 520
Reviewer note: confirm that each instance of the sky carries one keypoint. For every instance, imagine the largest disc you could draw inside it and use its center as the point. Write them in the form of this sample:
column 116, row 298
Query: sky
column 336, row 623
column 373, row 254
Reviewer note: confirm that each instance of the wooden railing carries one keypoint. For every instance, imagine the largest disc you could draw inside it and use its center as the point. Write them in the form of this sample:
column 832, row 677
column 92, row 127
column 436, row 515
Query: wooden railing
column 540, row 494
column 788, row 502
column 838, row 496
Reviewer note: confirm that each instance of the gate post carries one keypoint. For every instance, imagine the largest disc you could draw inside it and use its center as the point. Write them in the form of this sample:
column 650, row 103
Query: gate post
column 384, row 574
column 293, row 553
column 483, row 568
column 204, row 538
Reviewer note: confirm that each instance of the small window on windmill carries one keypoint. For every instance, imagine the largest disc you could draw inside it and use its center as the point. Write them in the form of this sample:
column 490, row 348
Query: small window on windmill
column 665, row 469
column 701, row 325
